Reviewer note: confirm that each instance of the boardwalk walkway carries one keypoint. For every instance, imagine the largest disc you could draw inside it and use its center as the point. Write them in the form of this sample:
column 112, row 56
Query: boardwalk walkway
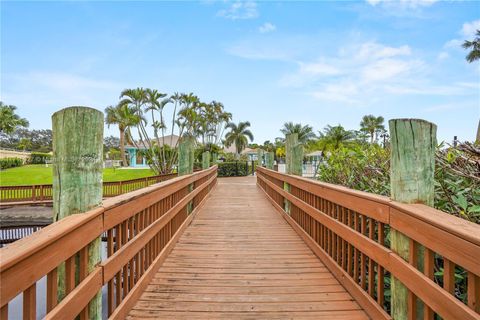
column 239, row 259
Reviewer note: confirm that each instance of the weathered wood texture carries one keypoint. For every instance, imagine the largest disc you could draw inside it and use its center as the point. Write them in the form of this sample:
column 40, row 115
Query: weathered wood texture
column 269, row 159
column 205, row 160
column 77, row 183
column 240, row 260
column 347, row 230
column 413, row 144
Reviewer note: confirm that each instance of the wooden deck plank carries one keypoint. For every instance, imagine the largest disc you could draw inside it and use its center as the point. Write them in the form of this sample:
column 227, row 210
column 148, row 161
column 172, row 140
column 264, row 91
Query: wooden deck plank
column 239, row 259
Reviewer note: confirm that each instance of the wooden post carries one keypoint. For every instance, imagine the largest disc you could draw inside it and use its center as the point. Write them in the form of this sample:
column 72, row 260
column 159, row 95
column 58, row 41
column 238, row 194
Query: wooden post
column 77, row 178
column 269, row 158
column 294, row 159
column 260, row 154
column 413, row 144
column 185, row 163
column 205, row 160
column 185, row 156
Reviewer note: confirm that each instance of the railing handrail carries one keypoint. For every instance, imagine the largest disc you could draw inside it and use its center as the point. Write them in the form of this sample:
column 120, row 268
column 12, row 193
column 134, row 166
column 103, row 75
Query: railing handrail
column 27, row 260
column 105, row 182
column 332, row 209
column 462, row 228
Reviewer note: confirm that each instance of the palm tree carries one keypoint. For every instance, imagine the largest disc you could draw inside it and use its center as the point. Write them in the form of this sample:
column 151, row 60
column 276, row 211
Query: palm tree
column 238, row 135
column 336, row 135
column 305, row 133
column 372, row 125
column 474, row 45
column 9, row 121
column 124, row 116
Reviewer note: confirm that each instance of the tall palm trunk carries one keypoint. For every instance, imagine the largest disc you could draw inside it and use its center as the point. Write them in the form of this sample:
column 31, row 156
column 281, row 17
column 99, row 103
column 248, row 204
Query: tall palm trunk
column 122, row 146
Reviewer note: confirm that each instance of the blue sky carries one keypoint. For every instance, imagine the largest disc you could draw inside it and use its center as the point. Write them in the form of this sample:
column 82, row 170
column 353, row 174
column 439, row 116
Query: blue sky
column 317, row 63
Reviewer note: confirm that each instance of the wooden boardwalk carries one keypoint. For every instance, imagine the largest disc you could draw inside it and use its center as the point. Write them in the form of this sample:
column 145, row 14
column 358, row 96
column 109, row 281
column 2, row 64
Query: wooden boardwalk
column 239, row 259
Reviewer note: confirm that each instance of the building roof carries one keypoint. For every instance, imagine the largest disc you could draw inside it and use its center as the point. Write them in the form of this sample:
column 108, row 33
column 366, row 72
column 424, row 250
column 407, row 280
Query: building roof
column 170, row 140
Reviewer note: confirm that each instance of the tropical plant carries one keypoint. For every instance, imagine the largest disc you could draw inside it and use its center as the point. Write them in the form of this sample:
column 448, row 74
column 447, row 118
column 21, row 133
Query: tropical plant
column 9, row 120
column 238, row 135
column 24, row 144
column 305, row 133
column 124, row 116
column 190, row 118
column 474, row 47
column 372, row 125
column 335, row 136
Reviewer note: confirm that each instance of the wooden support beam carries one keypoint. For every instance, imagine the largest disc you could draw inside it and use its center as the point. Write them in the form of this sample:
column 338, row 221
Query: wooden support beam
column 294, row 161
column 77, row 178
column 260, row 157
column 413, row 144
column 185, row 162
column 269, row 158
column 206, row 160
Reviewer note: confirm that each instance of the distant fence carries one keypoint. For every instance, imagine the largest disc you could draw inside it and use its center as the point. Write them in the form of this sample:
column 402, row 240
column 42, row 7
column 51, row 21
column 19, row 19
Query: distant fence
column 43, row 192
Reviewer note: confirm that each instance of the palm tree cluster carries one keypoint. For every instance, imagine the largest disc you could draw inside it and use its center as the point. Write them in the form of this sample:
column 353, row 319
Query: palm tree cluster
column 9, row 120
column 141, row 108
column 330, row 138
column 238, row 135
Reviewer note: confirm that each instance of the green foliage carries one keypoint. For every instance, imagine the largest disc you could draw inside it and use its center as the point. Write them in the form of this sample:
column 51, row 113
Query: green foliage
column 474, row 47
column 7, row 163
column 9, row 120
column 361, row 167
column 39, row 158
column 367, row 168
column 233, row 169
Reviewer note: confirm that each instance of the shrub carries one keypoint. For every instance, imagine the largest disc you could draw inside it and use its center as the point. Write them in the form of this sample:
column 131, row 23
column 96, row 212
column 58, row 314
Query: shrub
column 232, row 169
column 10, row 163
column 39, row 158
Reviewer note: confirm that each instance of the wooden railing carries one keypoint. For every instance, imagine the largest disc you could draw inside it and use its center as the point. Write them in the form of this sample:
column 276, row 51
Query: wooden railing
column 141, row 228
column 43, row 192
column 348, row 230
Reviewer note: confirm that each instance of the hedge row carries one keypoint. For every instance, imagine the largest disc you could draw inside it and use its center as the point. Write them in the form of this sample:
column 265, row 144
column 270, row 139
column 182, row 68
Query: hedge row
column 6, row 163
column 39, row 158
column 233, row 169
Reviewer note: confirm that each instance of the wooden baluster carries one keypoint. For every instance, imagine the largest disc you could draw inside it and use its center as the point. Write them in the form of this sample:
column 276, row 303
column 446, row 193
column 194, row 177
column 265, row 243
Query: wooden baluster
column 52, row 289
column 350, row 247
column 413, row 260
column 380, row 272
column 123, row 226
column 428, row 266
column 118, row 275
column 69, row 275
column 30, row 303
column 371, row 263
column 363, row 275
column 448, row 275
column 473, row 291
column 355, row 252
column 110, row 290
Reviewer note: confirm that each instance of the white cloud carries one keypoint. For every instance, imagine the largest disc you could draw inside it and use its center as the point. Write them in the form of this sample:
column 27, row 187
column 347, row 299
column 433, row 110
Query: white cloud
column 240, row 10
column 470, row 28
column 267, row 27
column 412, row 4
column 466, row 33
column 443, row 55
column 375, row 50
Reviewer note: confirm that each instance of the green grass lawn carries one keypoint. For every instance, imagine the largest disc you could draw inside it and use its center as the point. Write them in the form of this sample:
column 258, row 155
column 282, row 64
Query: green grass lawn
column 39, row 174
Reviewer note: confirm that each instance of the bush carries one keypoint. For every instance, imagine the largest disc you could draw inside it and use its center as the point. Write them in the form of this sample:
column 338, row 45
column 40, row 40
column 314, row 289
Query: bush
column 10, row 163
column 39, row 158
column 233, row 169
